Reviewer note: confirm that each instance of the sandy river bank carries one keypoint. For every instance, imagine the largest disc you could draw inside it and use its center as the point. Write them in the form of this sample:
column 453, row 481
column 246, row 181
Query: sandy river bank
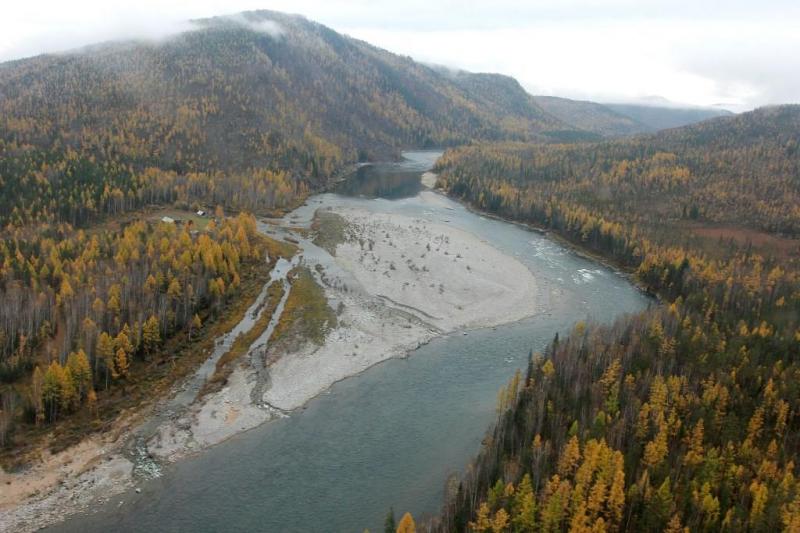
column 395, row 282
column 400, row 281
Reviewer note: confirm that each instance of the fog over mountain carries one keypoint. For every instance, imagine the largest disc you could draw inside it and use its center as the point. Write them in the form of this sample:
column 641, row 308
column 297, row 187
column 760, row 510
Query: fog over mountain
column 735, row 55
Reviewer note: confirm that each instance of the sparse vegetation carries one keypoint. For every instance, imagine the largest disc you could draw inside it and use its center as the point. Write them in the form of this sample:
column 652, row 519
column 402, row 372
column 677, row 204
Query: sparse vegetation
column 276, row 249
column 330, row 230
column 244, row 341
column 306, row 316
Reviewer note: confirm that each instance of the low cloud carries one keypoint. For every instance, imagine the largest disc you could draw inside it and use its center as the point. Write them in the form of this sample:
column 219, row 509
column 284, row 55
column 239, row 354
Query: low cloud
column 730, row 63
column 258, row 24
column 739, row 54
column 757, row 63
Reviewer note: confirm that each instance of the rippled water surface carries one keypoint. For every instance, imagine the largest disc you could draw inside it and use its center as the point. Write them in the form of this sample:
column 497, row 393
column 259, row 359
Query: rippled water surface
column 393, row 435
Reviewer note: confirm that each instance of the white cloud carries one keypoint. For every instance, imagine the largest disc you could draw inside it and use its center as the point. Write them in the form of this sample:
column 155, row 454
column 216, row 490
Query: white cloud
column 737, row 63
column 270, row 27
column 700, row 52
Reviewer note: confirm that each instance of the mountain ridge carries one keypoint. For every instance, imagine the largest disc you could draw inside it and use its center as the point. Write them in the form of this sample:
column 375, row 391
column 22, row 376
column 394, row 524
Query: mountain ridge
column 625, row 119
column 660, row 117
column 258, row 91
column 591, row 116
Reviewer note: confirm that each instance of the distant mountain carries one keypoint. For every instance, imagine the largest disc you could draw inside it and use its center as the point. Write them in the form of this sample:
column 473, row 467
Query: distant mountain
column 258, row 90
column 777, row 126
column 657, row 117
column 505, row 97
column 591, row 116
column 621, row 120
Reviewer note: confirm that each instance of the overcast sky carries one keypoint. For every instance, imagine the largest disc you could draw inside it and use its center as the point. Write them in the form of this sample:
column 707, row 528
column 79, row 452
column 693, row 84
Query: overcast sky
column 736, row 53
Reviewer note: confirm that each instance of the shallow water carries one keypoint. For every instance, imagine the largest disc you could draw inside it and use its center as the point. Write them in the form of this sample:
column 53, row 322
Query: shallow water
column 389, row 180
column 393, row 435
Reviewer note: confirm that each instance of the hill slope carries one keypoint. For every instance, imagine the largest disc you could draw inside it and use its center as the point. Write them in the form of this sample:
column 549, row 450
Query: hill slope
column 684, row 415
column 622, row 120
column 740, row 170
column 656, row 117
column 260, row 90
column 591, row 116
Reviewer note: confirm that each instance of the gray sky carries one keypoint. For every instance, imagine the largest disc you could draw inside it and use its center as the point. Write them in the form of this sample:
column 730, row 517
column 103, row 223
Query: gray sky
column 740, row 54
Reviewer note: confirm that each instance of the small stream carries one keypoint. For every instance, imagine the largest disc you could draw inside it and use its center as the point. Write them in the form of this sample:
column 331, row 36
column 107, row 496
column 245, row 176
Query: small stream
column 393, row 435
column 145, row 467
column 258, row 349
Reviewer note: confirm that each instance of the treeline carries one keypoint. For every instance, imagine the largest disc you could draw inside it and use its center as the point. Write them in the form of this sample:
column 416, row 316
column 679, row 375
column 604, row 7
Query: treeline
column 683, row 416
column 78, row 307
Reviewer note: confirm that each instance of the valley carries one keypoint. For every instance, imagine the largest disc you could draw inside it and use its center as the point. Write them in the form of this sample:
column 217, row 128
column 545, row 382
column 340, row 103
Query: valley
column 260, row 275
column 430, row 306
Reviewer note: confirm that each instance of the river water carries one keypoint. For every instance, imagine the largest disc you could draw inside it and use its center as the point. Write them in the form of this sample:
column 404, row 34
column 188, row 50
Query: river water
column 393, row 435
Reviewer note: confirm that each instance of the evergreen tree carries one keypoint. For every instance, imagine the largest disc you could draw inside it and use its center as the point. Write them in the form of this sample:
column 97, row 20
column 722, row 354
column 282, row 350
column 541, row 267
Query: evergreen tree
column 389, row 525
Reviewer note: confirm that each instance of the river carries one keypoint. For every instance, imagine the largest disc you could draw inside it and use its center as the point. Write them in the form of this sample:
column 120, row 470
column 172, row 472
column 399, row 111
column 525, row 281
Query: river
column 394, row 434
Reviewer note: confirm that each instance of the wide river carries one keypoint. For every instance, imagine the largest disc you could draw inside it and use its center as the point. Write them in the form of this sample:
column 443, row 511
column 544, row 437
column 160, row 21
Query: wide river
column 392, row 436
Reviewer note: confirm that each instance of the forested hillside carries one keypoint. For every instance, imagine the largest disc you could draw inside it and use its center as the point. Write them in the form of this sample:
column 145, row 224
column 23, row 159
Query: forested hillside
column 276, row 96
column 623, row 120
column 741, row 170
column 685, row 415
column 591, row 116
column 251, row 112
column 660, row 117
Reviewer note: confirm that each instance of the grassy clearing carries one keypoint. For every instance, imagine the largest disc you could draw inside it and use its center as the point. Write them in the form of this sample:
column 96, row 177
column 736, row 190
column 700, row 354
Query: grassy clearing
column 152, row 214
column 331, row 230
column 199, row 223
column 765, row 242
column 306, row 316
column 242, row 343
